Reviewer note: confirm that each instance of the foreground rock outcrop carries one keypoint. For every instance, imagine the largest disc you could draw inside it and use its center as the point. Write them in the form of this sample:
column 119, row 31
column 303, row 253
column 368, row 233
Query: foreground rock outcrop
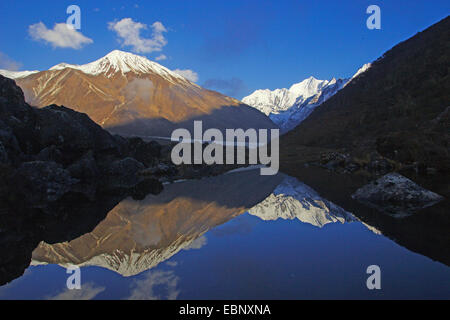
column 397, row 195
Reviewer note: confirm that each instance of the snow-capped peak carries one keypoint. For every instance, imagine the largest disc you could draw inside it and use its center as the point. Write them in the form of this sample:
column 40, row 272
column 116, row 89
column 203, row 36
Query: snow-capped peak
column 16, row 74
column 308, row 87
column 288, row 107
column 280, row 100
column 120, row 61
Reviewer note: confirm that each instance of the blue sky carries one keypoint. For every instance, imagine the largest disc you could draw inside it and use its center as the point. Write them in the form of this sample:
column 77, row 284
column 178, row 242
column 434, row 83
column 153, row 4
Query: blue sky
column 233, row 46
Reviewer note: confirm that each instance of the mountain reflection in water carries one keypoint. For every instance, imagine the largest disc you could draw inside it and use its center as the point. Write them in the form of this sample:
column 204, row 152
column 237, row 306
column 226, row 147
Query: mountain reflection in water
column 256, row 237
column 138, row 235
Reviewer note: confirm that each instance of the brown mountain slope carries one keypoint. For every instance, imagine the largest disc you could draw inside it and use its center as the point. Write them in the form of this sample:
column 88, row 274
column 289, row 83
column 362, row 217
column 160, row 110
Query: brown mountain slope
column 397, row 109
column 129, row 94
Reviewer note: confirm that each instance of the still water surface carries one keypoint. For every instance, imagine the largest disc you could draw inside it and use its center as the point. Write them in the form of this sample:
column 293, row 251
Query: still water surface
column 236, row 236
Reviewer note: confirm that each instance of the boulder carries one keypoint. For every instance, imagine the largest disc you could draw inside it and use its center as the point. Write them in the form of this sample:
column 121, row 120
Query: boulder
column 123, row 173
column 145, row 152
column 396, row 195
column 72, row 132
column 84, row 168
column 40, row 182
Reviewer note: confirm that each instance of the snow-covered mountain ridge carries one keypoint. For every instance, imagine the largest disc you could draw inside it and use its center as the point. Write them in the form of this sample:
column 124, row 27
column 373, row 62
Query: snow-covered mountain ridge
column 288, row 107
column 114, row 62
column 123, row 62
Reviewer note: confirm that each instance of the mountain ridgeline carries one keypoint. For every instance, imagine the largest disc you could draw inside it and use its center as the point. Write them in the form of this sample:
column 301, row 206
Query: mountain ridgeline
column 398, row 109
column 131, row 95
column 289, row 107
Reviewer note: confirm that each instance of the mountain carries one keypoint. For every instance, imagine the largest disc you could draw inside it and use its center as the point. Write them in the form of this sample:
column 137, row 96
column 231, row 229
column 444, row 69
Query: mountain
column 288, row 107
column 397, row 109
column 295, row 200
column 131, row 95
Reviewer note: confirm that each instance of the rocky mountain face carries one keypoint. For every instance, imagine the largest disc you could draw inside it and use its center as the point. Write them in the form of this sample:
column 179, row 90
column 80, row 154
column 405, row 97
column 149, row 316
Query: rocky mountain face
column 131, row 95
column 393, row 116
column 288, row 107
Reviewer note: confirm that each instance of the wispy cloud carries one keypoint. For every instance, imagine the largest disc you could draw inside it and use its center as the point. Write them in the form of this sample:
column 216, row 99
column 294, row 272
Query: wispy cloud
column 8, row 63
column 129, row 33
column 139, row 88
column 172, row 263
column 88, row 291
column 188, row 74
column 61, row 36
column 161, row 57
column 165, row 281
column 197, row 243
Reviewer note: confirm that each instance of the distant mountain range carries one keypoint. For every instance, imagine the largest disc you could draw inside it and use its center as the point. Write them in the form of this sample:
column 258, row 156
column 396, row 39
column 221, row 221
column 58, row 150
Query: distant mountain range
column 288, row 107
column 131, row 95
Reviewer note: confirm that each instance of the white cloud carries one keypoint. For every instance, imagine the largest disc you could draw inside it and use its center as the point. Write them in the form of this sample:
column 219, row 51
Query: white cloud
column 172, row 263
column 129, row 33
column 88, row 291
column 139, row 88
column 188, row 74
column 164, row 282
column 197, row 243
column 8, row 63
column 61, row 36
column 161, row 57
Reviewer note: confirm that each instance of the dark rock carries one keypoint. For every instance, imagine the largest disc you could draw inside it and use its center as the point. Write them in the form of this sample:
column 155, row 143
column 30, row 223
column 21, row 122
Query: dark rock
column 160, row 170
column 380, row 165
column 3, row 154
column 123, row 173
column 145, row 152
column 40, row 182
column 12, row 101
column 397, row 195
column 8, row 139
column 145, row 187
column 85, row 168
column 72, row 132
column 51, row 153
